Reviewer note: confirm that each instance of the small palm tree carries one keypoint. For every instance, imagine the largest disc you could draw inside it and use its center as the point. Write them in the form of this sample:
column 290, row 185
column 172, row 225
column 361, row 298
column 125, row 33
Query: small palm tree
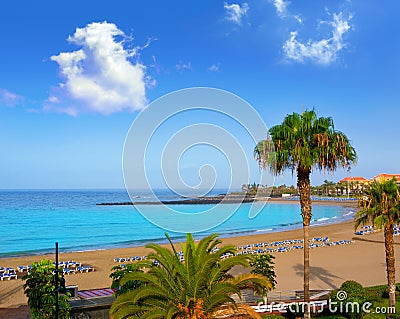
column 198, row 287
column 301, row 143
column 381, row 207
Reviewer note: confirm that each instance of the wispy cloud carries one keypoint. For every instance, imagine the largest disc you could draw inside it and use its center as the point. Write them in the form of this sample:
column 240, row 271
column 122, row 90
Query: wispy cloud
column 181, row 66
column 214, row 68
column 53, row 99
column 324, row 51
column 298, row 18
column 9, row 99
column 235, row 12
column 100, row 76
column 281, row 6
column 282, row 10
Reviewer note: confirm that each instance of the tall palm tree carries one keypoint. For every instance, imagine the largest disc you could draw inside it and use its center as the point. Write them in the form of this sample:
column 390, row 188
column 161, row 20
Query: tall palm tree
column 304, row 142
column 198, row 287
column 329, row 186
column 381, row 207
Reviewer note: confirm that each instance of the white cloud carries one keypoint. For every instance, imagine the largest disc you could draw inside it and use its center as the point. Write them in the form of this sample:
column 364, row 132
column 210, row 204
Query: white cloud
column 214, row 68
column 100, row 76
column 69, row 110
column 324, row 51
column 53, row 99
column 8, row 98
column 183, row 66
column 235, row 12
column 298, row 18
column 281, row 6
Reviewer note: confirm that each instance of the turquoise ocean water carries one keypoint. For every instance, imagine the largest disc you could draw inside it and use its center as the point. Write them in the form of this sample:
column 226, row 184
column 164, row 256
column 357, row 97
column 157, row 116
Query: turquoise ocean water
column 32, row 221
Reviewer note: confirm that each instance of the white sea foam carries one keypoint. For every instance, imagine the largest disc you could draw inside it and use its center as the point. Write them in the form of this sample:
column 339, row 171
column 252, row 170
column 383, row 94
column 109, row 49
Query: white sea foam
column 349, row 213
column 264, row 230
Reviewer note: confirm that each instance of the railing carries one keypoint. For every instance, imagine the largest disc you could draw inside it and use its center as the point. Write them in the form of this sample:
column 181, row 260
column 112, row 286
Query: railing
column 334, row 199
column 248, row 296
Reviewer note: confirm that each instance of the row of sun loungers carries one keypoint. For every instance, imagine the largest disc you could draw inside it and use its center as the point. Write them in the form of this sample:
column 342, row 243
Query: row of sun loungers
column 283, row 243
column 8, row 276
column 262, row 248
column 138, row 258
column 80, row 269
column 7, row 270
column 68, row 267
column 369, row 229
column 129, row 259
column 68, row 264
column 288, row 245
column 61, row 264
column 7, row 273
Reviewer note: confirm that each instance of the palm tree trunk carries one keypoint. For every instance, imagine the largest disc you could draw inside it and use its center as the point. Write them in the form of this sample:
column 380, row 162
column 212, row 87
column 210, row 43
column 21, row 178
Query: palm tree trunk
column 390, row 267
column 303, row 184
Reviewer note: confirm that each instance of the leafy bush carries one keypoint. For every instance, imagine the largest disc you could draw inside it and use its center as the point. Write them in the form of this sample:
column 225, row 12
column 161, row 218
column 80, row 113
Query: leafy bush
column 40, row 289
column 376, row 293
column 263, row 264
column 373, row 295
column 349, row 292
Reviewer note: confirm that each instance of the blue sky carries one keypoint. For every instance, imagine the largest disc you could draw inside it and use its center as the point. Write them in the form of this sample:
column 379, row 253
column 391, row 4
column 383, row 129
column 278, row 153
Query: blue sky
column 74, row 77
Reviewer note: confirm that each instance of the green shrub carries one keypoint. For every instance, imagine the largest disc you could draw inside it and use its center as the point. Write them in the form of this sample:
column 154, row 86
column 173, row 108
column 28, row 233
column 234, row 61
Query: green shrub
column 385, row 293
column 349, row 292
column 263, row 264
column 40, row 289
column 375, row 293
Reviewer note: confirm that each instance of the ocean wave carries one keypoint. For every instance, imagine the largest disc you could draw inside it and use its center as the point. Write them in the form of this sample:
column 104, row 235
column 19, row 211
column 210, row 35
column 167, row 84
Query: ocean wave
column 349, row 213
column 289, row 224
column 264, row 230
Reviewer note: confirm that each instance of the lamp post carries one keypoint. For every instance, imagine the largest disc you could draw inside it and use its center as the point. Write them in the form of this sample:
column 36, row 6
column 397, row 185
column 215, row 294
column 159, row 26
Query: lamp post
column 60, row 282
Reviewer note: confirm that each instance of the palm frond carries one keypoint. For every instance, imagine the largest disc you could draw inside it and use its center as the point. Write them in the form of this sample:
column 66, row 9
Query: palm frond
column 198, row 286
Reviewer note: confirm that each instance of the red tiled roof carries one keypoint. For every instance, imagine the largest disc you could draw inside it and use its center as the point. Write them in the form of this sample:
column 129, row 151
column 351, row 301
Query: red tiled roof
column 387, row 176
column 353, row 179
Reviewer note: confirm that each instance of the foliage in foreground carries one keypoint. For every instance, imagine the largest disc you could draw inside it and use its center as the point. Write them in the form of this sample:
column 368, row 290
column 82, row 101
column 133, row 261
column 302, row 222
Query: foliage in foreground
column 40, row 290
column 350, row 292
column 119, row 272
column 200, row 287
column 263, row 264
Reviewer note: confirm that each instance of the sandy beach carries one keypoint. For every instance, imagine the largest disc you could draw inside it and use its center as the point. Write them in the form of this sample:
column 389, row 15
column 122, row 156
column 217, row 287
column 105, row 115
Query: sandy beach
column 363, row 261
